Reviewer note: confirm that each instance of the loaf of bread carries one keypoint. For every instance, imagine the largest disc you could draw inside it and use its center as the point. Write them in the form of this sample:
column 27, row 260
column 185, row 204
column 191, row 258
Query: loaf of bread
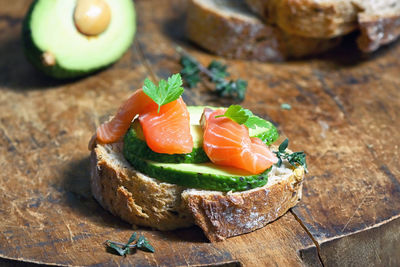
column 378, row 20
column 228, row 28
column 146, row 201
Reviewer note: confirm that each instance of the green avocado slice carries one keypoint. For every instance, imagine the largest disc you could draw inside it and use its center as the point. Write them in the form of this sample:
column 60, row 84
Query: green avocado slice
column 49, row 27
column 206, row 176
column 134, row 141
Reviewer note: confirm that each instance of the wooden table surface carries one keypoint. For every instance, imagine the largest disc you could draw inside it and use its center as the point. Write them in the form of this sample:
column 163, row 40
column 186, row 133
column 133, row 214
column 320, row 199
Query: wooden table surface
column 345, row 115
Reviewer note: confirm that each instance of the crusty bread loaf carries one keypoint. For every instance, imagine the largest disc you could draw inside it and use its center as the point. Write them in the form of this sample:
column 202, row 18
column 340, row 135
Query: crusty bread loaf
column 309, row 18
column 228, row 28
column 378, row 20
column 142, row 200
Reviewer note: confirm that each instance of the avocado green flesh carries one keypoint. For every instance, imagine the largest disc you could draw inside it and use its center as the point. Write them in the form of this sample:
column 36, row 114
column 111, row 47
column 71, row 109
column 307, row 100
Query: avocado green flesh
column 206, row 176
column 49, row 26
column 134, row 143
column 267, row 134
column 134, row 140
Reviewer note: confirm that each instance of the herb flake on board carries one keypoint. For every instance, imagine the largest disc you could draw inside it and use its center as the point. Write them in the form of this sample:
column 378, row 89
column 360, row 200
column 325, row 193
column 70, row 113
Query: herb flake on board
column 192, row 73
column 128, row 248
column 286, row 106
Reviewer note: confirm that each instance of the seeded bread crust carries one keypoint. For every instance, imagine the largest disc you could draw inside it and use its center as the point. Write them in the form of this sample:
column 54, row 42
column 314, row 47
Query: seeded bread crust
column 142, row 200
column 378, row 20
column 309, row 18
column 133, row 196
column 228, row 28
column 226, row 215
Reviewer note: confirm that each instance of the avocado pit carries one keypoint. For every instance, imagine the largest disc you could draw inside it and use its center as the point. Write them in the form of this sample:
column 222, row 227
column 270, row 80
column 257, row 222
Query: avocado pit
column 92, row 17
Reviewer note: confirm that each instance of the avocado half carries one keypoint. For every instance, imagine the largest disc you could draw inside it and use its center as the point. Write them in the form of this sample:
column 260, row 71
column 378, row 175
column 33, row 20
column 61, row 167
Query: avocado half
column 49, row 28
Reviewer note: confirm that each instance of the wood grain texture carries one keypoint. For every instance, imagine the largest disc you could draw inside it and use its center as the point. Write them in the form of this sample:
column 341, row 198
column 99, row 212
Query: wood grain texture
column 345, row 115
column 47, row 213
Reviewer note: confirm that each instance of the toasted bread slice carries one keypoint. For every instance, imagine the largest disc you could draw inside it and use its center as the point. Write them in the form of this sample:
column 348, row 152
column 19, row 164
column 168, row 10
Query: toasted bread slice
column 228, row 28
column 378, row 20
column 133, row 196
column 309, row 18
column 142, row 200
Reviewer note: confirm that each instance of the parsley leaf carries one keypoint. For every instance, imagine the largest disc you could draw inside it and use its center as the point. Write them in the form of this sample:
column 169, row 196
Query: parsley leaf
column 244, row 116
column 295, row 159
column 166, row 91
column 236, row 113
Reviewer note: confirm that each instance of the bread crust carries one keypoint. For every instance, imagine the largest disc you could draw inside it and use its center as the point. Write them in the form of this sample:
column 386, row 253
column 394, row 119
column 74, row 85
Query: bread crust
column 242, row 35
column 141, row 200
column 378, row 21
column 132, row 196
column 309, row 18
column 226, row 215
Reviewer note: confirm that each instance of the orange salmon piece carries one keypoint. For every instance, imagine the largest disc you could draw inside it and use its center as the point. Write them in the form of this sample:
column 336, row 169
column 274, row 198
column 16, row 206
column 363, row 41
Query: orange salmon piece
column 166, row 132
column 169, row 130
column 113, row 130
column 228, row 143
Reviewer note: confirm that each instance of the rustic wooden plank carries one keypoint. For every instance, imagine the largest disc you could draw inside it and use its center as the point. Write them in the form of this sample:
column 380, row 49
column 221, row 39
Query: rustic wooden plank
column 344, row 114
column 47, row 214
column 365, row 92
column 375, row 246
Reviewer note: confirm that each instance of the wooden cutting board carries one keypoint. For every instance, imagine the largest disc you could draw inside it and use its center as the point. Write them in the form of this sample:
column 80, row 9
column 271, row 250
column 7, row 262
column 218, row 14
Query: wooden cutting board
column 345, row 115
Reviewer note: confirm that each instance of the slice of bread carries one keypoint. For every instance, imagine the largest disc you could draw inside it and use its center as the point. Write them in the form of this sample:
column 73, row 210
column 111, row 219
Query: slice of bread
column 142, row 200
column 228, row 28
column 133, row 196
column 309, row 18
column 378, row 20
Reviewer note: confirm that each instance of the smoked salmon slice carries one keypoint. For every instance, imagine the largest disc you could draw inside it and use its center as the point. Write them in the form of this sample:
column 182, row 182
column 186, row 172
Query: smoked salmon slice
column 228, row 143
column 114, row 129
column 167, row 131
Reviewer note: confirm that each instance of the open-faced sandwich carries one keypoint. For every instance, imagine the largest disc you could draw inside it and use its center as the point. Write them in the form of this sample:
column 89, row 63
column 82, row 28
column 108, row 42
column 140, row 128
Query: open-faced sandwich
column 161, row 164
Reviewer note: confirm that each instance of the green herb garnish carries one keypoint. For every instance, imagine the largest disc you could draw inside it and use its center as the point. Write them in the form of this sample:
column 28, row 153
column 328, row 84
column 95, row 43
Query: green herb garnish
column 143, row 244
column 215, row 72
column 295, row 159
column 123, row 249
column 286, row 106
column 244, row 116
column 190, row 71
column 166, row 91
